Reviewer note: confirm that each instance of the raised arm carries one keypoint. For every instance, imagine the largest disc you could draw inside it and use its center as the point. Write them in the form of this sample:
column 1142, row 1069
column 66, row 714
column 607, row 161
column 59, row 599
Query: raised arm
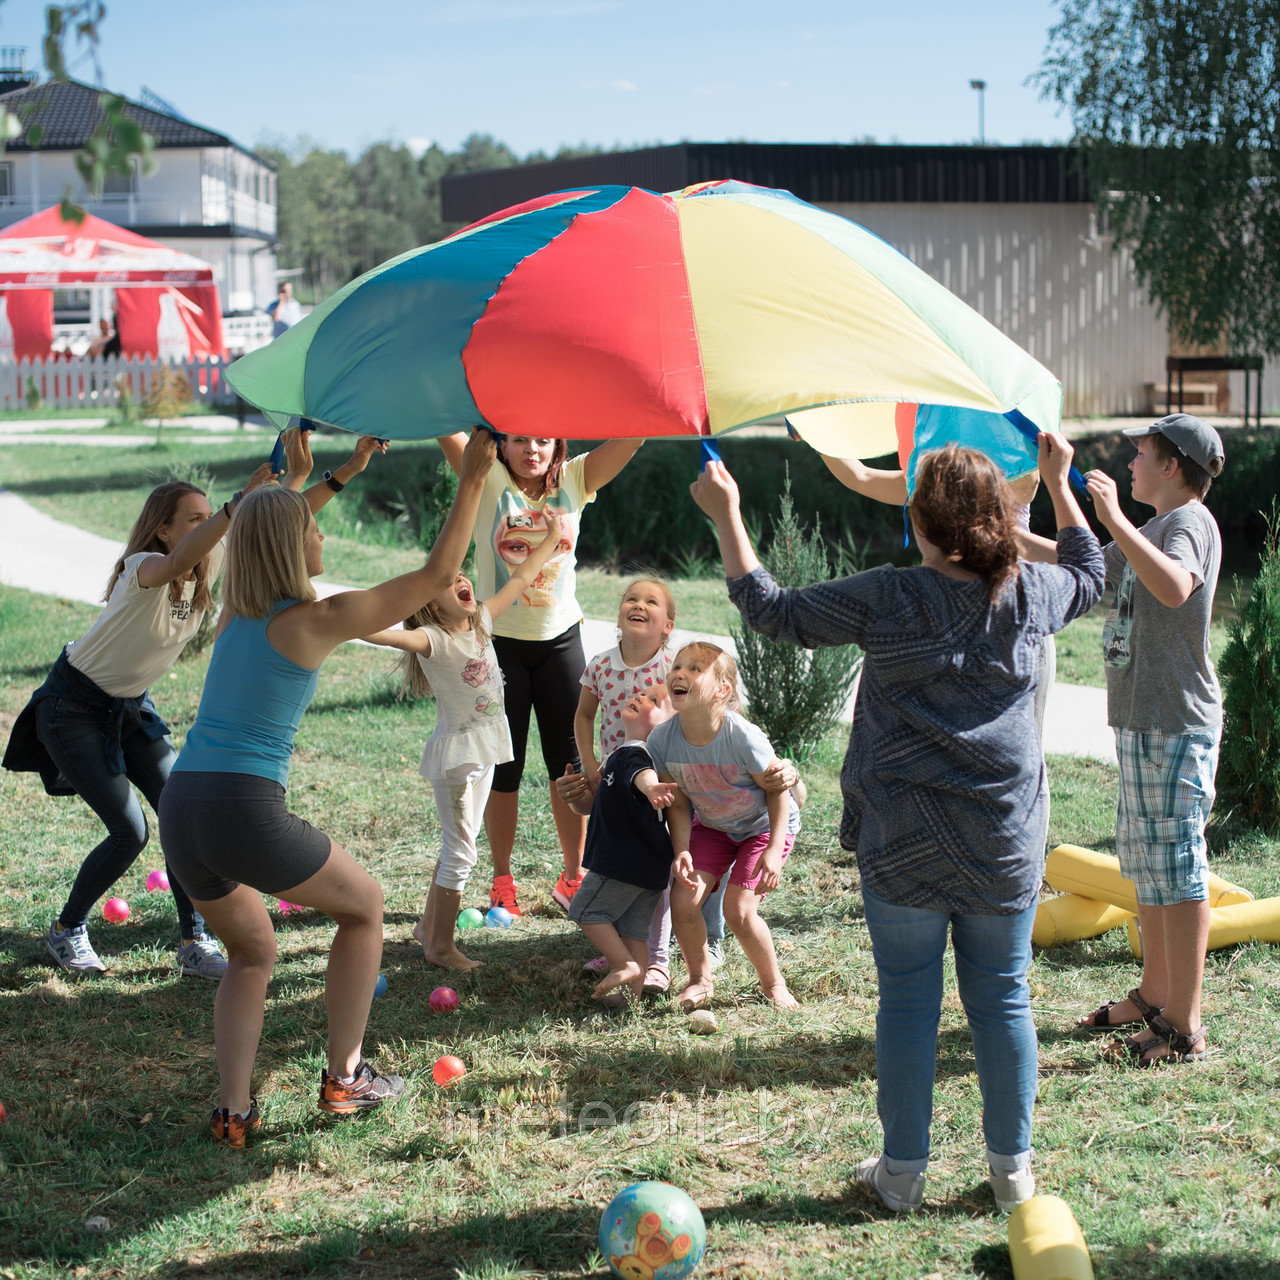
column 870, row 482
column 309, row 638
column 1055, row 454
column 318, row 494
column 1164, row 577
column 523, row 575
column 606, row 460
column 452, row 447
column 406, row 639
column 192, row 547
column 716, row 493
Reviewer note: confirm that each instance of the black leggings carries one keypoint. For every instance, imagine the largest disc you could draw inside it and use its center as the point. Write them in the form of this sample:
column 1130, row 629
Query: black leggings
column 543, row 676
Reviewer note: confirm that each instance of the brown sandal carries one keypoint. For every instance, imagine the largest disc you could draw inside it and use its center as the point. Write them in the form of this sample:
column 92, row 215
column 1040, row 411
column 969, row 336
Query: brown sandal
column 1100, row 1018
column 1181, row 1046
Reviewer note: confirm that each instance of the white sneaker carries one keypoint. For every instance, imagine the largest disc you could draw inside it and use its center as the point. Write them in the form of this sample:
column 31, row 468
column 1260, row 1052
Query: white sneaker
column 200, row 958
column 72, row 949
column 900, row 1192
column 1011, row 1189
column 715, row 950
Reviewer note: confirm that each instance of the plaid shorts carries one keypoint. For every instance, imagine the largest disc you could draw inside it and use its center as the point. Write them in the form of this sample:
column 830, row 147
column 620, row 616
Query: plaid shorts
column 1166, row 792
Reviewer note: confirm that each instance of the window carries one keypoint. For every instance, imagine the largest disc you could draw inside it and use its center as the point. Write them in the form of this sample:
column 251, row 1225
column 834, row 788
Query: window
column 117, row 187
column 6, row 181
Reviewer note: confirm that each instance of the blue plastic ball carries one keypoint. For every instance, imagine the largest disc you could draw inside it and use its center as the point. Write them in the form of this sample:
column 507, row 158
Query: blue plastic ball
column 380, row 987
column 498, row 918
column 652, row 1229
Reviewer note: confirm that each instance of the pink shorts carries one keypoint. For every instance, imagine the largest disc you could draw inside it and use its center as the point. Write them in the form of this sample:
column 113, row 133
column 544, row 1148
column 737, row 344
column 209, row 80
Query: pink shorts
column 714, row 852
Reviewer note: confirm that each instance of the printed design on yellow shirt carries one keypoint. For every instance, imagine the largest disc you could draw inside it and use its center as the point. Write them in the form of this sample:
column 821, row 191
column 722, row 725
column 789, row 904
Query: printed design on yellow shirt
column 517, row 533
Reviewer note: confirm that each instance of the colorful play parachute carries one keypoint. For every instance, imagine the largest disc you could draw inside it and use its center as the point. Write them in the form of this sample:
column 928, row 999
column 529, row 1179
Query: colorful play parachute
column 619, row 312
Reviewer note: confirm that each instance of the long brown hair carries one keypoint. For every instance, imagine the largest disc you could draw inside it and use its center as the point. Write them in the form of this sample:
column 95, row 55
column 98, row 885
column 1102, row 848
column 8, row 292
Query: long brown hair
column 551, row 477
column 415, row 678
column 157, row 510
column 963, row 506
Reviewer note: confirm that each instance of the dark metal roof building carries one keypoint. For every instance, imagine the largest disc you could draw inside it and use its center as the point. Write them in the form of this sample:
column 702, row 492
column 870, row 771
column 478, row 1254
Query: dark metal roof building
column 826, row 173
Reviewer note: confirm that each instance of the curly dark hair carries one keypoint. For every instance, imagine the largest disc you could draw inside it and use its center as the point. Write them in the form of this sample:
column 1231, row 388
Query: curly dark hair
column 962, row 505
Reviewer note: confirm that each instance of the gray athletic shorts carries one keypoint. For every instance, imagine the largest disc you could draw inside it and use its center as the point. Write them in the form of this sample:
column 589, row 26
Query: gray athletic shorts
column 220, row 830
column 602, row 901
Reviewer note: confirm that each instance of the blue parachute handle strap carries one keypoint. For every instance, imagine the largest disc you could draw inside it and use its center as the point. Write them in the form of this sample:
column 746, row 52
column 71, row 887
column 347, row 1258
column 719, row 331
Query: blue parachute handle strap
column 710, row 452
column 906, row 525
column 1031, row 431
column 278, row 461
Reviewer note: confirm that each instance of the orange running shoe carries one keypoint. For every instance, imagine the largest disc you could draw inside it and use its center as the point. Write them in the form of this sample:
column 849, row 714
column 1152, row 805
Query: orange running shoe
column 503, row 894
column 564, row 890
column 230, row 1129
column 368, row 1090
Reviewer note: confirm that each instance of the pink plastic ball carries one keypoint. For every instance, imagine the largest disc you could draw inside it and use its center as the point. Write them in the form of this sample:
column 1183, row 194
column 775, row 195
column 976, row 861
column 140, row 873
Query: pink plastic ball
column 157, row 880
column 116, row 910
column 288, row 908
column 444, row 999
column 448, row 1069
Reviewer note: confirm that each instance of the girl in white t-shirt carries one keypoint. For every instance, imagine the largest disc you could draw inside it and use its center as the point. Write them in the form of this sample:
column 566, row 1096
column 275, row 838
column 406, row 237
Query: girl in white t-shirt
column 91, row 729
column 539, row 640
column 449, row 653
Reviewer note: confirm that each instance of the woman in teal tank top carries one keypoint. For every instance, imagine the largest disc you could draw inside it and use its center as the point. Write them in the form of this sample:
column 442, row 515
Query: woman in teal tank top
column 223, row 813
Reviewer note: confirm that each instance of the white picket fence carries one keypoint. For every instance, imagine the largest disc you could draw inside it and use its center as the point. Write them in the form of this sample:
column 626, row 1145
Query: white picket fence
column 93, row 382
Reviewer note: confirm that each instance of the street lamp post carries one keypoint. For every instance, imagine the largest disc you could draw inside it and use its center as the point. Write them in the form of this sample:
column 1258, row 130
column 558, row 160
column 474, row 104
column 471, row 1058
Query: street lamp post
column 981, row 87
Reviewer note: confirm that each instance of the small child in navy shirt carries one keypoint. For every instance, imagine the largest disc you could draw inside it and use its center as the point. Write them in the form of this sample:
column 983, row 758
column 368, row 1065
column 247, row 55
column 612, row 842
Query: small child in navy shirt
column 628, row 855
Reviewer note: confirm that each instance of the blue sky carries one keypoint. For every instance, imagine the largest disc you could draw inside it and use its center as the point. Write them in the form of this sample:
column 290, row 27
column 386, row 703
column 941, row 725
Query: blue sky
column 538, row 74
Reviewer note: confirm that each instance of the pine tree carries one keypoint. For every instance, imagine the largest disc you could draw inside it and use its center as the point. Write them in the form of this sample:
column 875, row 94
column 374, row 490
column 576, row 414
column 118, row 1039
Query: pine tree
column 1249, row 759
column 796, row 695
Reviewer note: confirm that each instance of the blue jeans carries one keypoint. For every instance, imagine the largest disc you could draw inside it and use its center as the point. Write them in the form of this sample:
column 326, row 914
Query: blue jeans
column 993, row 954
column 72, row 735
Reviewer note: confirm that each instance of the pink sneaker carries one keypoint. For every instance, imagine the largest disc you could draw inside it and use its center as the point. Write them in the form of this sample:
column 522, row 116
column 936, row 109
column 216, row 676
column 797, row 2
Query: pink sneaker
column 597, row 967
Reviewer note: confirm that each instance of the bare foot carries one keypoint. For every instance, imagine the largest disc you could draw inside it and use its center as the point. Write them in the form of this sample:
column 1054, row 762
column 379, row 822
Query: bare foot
column 779, row 996
column 452, row 959
column 616, row 977
column 697, row 995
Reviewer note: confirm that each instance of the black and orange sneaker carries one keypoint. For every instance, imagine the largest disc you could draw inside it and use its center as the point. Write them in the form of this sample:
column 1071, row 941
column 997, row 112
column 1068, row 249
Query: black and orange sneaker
column 565, row 888
column 230, row 1129
column 369, row 1089
column 503, row 894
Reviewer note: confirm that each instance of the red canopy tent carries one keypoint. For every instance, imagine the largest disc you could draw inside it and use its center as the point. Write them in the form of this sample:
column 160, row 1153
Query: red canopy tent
column 165, row 300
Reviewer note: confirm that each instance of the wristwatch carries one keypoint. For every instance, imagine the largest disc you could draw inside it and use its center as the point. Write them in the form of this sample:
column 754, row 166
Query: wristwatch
column 335, row 484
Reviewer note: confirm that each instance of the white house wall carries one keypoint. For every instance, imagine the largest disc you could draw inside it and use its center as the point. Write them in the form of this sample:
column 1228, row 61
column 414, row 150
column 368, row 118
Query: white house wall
column 1040, row 276
column 244, row 270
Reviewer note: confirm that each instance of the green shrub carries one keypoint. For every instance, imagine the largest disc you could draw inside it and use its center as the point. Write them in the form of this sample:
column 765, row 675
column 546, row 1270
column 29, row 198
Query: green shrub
column 1249, row 758
column 796, row 695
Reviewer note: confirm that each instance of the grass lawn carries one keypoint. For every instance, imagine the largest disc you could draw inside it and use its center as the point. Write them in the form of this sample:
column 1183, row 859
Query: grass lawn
column 108, row 1083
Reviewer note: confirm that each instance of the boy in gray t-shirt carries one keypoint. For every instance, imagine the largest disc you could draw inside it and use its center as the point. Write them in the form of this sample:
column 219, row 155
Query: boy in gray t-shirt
column 1165, row 706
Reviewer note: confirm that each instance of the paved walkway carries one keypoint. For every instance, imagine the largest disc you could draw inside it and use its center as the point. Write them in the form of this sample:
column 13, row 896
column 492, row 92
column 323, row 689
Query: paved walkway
column 42, row 554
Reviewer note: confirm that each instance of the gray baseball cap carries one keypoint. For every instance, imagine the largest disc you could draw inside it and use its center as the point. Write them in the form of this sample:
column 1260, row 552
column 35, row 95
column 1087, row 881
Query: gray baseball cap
column 1191, row 436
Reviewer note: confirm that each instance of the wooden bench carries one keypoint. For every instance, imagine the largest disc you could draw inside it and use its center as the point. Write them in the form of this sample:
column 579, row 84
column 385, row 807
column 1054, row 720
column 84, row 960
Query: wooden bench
column 1197, row 395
